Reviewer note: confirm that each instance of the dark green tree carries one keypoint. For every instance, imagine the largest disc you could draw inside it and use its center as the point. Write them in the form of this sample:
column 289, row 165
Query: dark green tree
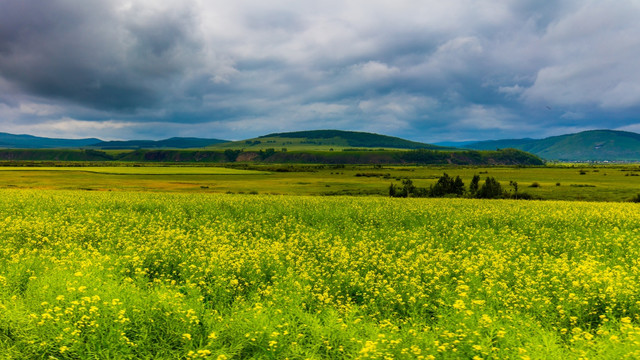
column 458, row 186
column 408, row 189
column 267, row 153
column 232, row 155
column 514, row 185
column 473, row 187
column 491, row 189
column 447, row 185
column 392, row 190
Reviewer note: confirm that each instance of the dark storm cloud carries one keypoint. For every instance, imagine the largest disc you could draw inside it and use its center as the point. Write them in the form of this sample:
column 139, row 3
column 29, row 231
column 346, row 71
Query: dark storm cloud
column 427, row 70
column 94, row 54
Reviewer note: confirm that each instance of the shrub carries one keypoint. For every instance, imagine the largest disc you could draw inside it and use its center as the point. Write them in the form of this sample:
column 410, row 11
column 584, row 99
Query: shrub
column 447, row 185
column 522, row 196
column 491, row 189
column 407, row 190
column 534, row 185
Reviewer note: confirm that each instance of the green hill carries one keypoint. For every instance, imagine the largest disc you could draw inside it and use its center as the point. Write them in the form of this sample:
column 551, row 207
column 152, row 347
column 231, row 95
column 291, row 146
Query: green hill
column 326, row 140
column 593, row 145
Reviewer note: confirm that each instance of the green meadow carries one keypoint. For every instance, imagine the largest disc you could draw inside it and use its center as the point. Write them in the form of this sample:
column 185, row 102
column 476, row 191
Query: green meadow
column 137, row 170
column 253, row 261
column 566, row 182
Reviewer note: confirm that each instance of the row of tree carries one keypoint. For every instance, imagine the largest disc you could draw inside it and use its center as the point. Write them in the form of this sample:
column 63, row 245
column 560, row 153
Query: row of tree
column 447, row 186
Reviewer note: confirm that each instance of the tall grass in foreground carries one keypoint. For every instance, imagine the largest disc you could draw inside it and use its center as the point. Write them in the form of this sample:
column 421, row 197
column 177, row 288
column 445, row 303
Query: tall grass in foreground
column 139, row 275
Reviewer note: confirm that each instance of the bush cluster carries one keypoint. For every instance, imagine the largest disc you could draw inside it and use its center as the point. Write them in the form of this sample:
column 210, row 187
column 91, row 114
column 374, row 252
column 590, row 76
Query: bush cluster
column 448, row 186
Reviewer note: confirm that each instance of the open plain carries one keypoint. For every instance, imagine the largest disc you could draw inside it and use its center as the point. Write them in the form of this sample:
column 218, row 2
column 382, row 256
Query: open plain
column 165, row 262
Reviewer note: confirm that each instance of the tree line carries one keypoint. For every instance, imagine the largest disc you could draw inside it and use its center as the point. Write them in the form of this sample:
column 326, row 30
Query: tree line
column 448, row 186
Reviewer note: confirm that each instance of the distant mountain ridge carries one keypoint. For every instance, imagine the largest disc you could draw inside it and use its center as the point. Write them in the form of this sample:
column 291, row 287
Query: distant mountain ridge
column 312, row 147
column 35, row 142
column 592, row 145
column 174, row 142
column 11, row 141
column 328, row 138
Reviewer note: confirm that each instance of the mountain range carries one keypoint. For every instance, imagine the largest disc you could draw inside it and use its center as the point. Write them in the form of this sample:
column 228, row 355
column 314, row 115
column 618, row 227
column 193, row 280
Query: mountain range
column 300, row 140
column 593, row 145
column 36, row 142
column 171, row 143
column 11, row 141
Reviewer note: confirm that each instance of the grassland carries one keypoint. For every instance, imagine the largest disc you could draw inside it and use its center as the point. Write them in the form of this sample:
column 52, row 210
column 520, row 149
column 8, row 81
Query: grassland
column 574, row 182
column 181, row 276
column 138, row 170
column 350, row 155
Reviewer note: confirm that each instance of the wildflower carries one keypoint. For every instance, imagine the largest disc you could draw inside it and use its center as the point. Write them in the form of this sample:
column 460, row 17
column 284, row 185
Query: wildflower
column 459, row 304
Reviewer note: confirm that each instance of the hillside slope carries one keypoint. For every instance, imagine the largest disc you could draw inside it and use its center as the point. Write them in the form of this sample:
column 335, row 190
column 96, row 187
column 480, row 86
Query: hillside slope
column 326, row 140
column 593, row 145
column 358, row 139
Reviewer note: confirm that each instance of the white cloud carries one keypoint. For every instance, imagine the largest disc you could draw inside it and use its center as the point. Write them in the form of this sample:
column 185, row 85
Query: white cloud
column 591, row 58
column 571, row 115
column 631, row 127
column 487, row 118
column 29, row 108
column 398, row 104
column 374, row 70
column 511, row 90
column 75, row 129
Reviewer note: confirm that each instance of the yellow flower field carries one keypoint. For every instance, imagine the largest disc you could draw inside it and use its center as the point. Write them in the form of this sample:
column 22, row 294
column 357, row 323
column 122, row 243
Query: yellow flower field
column 144, row 275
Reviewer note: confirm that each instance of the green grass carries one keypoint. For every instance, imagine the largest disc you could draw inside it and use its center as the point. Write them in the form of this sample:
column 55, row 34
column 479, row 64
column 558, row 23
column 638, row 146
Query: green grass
column 132, row 275
column 599, row 183
column 144, row 170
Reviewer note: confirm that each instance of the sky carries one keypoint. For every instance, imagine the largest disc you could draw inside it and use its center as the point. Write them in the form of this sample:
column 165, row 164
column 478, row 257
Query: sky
column 425, row 70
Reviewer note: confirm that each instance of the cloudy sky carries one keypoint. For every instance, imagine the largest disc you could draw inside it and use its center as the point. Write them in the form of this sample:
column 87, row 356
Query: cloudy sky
column 426, row 70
